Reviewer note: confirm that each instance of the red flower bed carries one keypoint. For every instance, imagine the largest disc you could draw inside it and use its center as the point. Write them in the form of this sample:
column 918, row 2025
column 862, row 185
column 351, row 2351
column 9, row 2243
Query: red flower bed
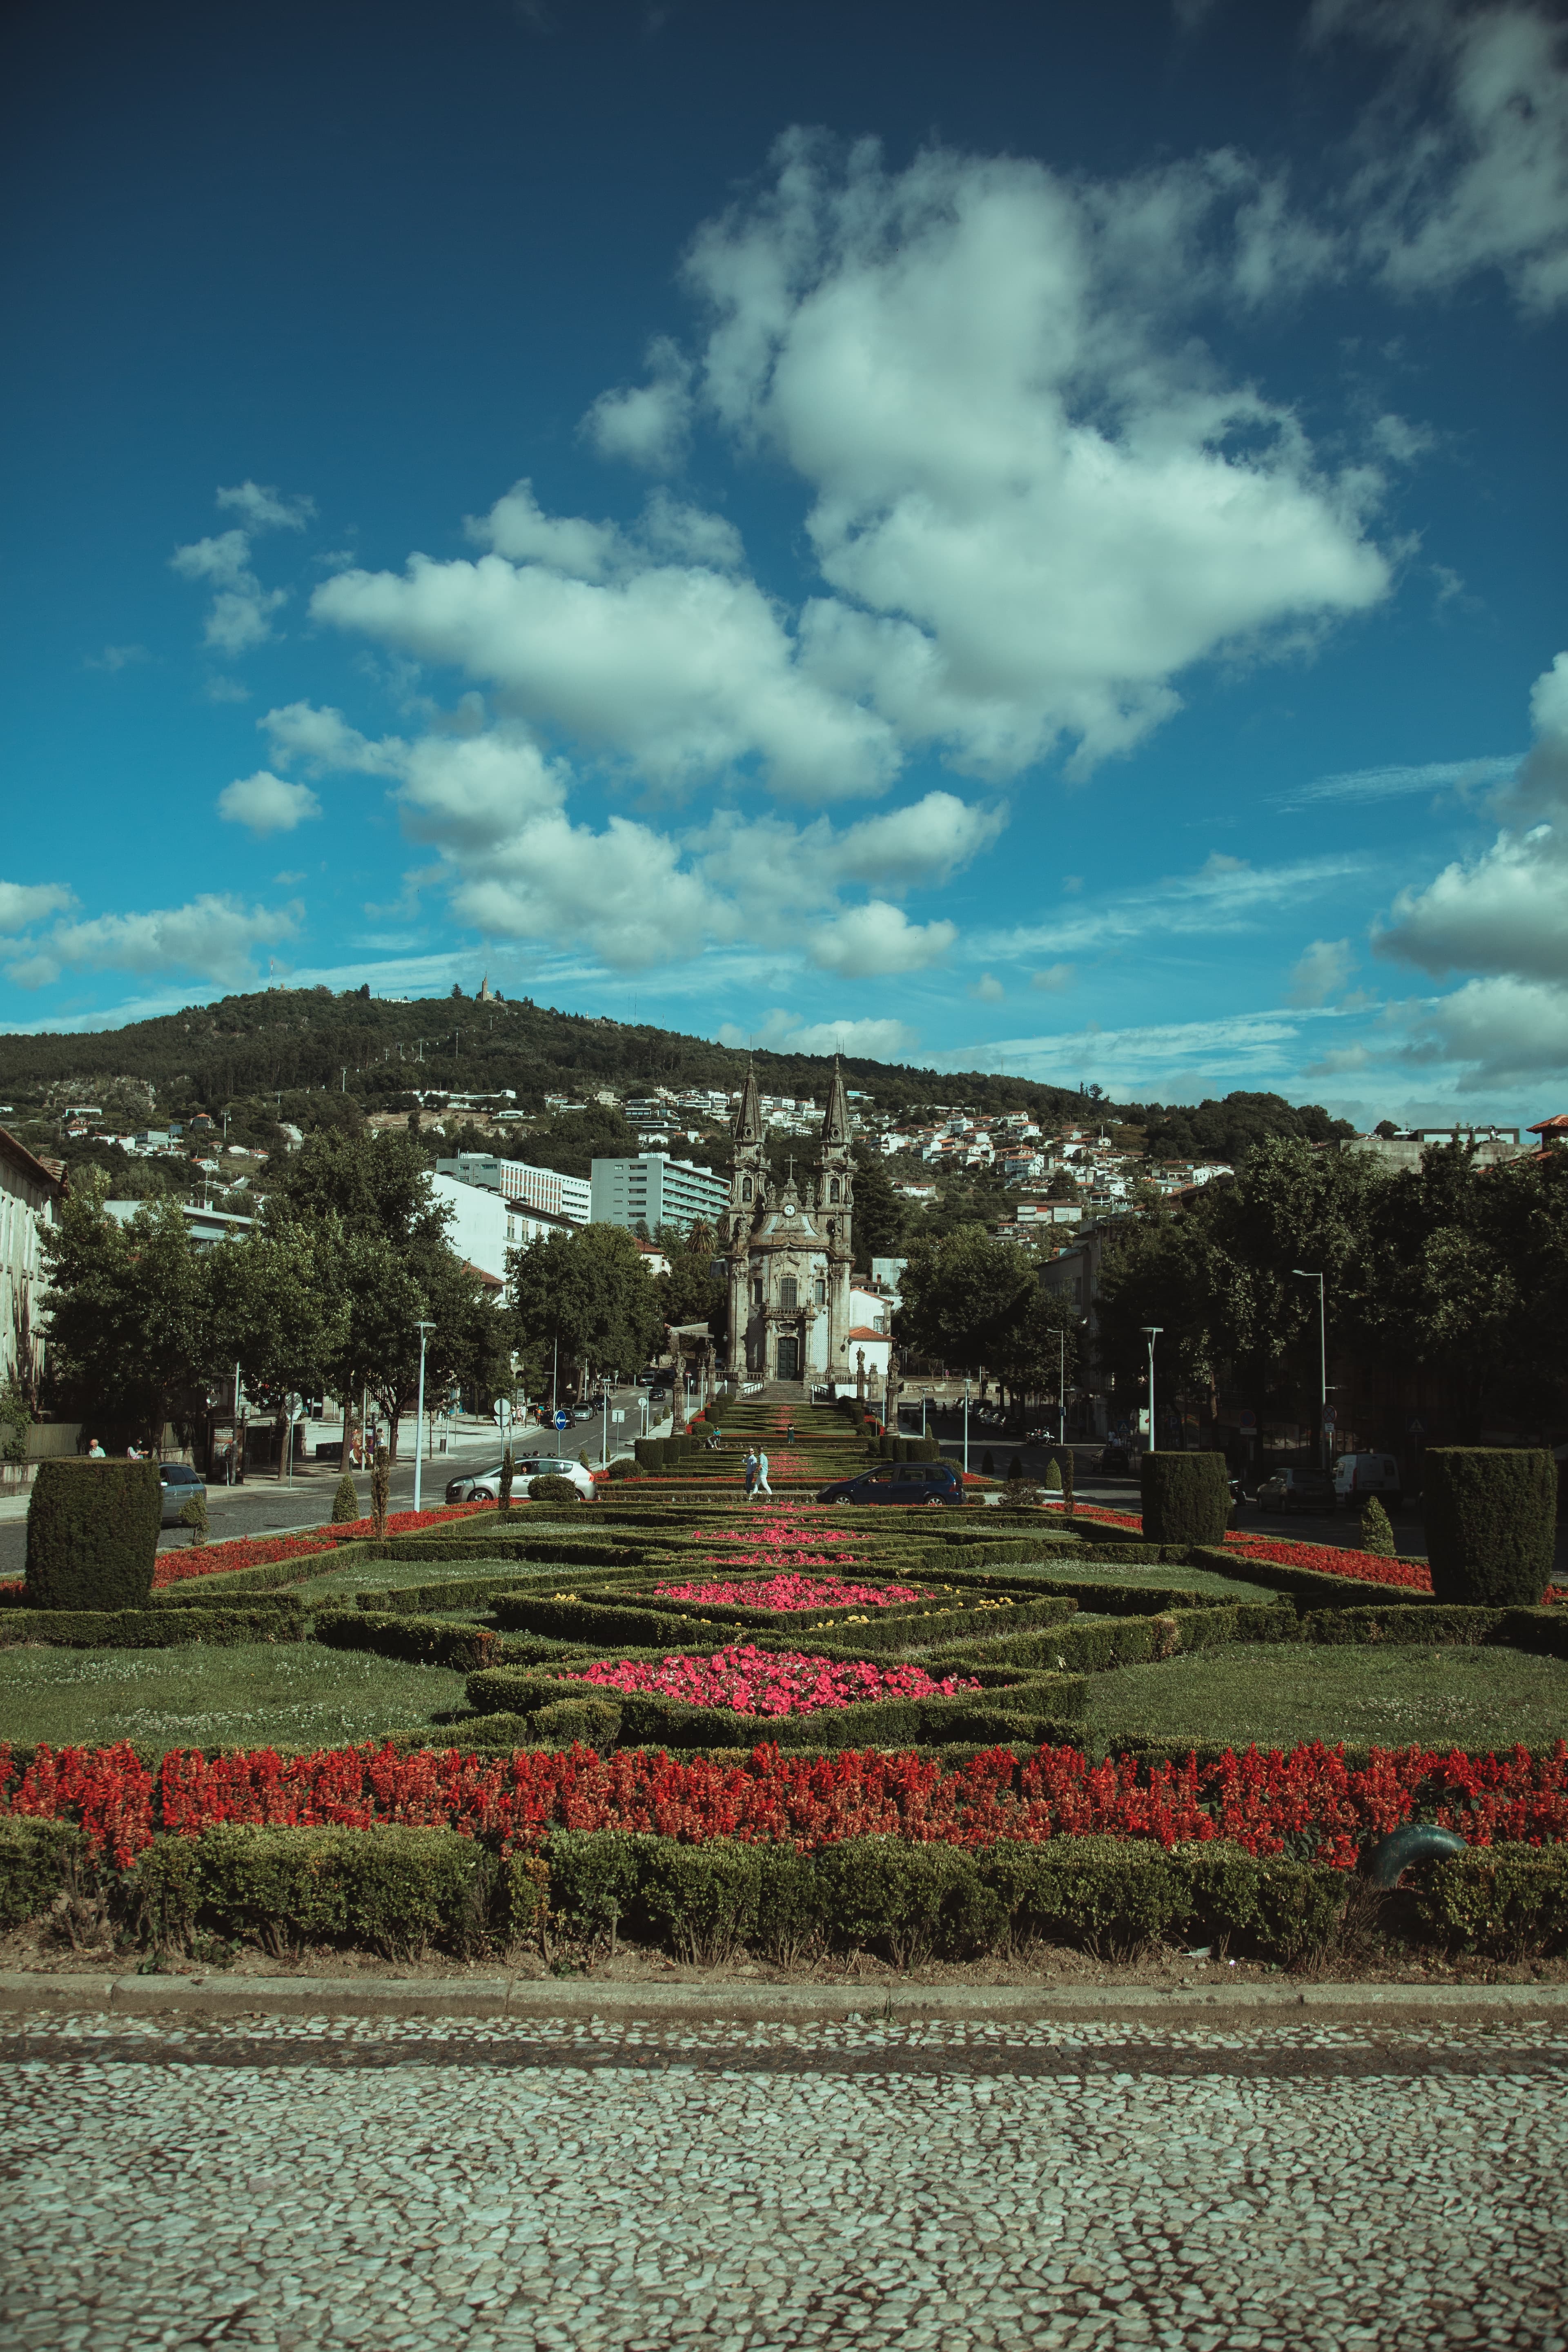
column 764, row 1682
column 1310, row 1798
column 1327, row 1560
column 792, row 1592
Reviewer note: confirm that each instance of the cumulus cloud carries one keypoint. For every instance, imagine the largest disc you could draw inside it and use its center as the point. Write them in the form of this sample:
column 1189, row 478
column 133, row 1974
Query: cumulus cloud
column 267, row 803
column 22, row 904
column 878, row 939
column 1320, row 971
column 987, row 988
column 268, row 509
column 1502, row 1030
column 677, row 670
column 214, row 937
column 1037, row 499
column 322, row 739
column 646, row 423
column 1467, row 149
column 1053, row 976
column 786, row 1032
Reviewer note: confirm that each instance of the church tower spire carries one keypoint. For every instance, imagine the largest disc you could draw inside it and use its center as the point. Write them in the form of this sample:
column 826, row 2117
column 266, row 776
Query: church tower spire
column 748, row 1127
column 835, row 1124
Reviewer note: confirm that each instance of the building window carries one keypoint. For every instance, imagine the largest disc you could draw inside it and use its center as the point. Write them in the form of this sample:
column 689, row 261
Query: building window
column 745, row 1188
column 757, row 1292
column 834, row 1191
column 822, row 1294
column 787, row 1295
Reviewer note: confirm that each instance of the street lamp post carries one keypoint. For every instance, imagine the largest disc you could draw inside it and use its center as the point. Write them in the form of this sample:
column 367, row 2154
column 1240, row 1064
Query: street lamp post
column 1151, row 1332
column 1061, row 1388
column 966, row 1424
column 1306, row 1275
column 424, row 1330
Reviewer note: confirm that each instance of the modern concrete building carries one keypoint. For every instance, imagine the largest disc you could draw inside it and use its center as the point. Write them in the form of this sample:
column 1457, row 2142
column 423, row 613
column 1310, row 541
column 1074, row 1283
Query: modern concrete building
column 542, row 1188
column 659, row 1190
column 206, row 1227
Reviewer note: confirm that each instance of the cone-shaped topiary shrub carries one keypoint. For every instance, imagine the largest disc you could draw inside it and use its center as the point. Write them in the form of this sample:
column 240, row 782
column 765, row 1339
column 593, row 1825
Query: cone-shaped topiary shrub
column 345, row 1502
column 1492, row 1517
column 193, row 1514
column 1053, row 1476
column 92, row 1534
column 988, row 1467
column 1015, row 1469
column 1186, row 1498
column 1376, row 1534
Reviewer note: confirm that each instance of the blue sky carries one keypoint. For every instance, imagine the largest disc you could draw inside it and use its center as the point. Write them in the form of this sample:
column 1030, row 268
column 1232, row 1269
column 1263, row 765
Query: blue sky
column 1024, row 536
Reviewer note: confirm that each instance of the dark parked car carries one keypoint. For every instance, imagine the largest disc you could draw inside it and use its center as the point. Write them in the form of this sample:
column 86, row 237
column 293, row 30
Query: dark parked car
column 1115, row 1461
column 181, row 1484
column 898, row 1481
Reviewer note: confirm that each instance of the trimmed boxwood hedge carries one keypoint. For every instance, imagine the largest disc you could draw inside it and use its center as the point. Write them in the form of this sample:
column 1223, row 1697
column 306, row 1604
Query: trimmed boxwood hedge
column 424, row 1641
column 1506, row 1902
column 92, row 1534
column 1491, row 1524
column 37, row 1860
column 152, row 1629
column 396, row 1889
column 1186, row 1498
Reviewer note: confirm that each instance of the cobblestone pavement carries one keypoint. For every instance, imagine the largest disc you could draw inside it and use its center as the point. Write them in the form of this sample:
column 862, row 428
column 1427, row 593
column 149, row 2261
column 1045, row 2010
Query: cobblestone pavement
column 601, row 2187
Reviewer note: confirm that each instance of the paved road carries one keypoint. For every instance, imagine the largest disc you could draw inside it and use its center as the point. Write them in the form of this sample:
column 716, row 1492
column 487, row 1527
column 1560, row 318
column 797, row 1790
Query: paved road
column 584, row 2187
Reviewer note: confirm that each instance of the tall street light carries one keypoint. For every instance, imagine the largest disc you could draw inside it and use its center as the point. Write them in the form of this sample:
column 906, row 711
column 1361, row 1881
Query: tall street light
column 1307, row 1276
column 1151, row 1332
column 424, row 1330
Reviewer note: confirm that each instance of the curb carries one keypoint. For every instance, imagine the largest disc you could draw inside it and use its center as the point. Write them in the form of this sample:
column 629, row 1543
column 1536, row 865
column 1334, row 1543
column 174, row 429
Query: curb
column 509, row 1999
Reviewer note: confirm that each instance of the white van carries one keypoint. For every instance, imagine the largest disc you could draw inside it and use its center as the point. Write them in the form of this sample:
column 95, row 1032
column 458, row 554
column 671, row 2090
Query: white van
column 1357, row 1476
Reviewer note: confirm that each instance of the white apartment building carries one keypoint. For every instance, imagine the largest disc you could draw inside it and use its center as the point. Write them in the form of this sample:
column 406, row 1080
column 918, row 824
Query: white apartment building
column 484, row 1224
column 658, row 1190
column 544, row 1190
column 31, row 1194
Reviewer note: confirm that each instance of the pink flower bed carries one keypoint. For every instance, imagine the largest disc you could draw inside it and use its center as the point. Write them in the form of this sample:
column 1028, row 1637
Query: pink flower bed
column 765, row 1682
column 787, row 1592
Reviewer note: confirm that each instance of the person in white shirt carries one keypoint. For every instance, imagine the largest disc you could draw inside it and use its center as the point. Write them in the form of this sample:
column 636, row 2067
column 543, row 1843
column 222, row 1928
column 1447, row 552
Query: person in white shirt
column 95, row 1452
column 761, row 1486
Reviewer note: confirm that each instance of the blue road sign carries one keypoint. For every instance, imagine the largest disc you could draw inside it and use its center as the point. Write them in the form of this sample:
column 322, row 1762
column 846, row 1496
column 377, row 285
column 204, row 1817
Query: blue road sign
column 562, row 1418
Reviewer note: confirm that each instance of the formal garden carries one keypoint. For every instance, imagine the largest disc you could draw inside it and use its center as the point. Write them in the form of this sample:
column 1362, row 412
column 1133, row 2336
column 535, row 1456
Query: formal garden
column 786, row 1732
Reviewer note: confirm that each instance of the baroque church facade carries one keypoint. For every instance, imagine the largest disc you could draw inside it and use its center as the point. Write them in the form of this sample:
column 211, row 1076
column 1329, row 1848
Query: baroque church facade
column 789, row 1252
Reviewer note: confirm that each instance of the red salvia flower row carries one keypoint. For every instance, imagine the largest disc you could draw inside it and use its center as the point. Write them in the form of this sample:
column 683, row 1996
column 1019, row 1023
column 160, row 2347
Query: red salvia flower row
column 1311, row 1800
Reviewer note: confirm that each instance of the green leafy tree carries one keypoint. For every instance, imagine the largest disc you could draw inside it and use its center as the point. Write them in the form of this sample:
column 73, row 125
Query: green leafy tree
column 280, row 1311
column 691, row 1292
column 881, row 1221
column 590, row 1289
column 128, row 1322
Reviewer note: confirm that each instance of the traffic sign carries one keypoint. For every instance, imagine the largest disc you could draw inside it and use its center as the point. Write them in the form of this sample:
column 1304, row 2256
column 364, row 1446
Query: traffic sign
column 500, row 1412
column 562, row 1418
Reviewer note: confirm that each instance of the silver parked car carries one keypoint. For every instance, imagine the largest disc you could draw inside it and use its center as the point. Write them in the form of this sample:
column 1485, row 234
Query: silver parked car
column 181, row 1484
column 484, row 1485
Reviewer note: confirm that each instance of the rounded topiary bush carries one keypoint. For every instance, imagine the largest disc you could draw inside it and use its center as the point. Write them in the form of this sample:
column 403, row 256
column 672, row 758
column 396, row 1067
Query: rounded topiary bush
column 622, row 1466
column 92, row 1534
column 1186, row 1498
column 345, row 1502
column 1492, row 1519
column 551, row 1489
column 593, row 1722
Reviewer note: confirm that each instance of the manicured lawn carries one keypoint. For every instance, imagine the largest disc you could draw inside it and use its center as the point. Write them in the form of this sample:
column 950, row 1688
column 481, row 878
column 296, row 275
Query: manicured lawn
column 1277, row 1693
column 293, row 1695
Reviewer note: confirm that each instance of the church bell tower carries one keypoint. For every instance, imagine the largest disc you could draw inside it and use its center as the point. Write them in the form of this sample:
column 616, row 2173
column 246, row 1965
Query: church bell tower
column 835, row 1199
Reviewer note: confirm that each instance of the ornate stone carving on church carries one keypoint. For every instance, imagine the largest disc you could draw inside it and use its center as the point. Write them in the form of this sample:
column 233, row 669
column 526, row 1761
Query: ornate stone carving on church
column 789, row 1261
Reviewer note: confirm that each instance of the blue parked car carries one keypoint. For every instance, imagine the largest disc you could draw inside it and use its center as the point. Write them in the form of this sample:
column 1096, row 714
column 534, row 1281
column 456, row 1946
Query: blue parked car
column 898, row 1481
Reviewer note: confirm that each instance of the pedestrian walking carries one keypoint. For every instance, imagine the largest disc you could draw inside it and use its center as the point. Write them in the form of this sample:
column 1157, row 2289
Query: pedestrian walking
column 763, row 1487
column 751, row 1472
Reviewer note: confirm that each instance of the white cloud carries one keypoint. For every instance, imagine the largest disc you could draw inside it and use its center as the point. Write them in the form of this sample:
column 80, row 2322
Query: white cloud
column 1500, row 1030
column 325, row 741
column 691, row 534
column 214, row 937
column 1395, row 780
column 267, row 803
column 987, row 988
column 922, row 843
column 1054, row 977
column 240, row 615
column 1225, row 894
column 1035, row 497
column 1320, row 971
column 645, row 424
column 518, row 528
column 117, row 657
column 675, row 669
column 268, row 509
column 22, row 904
column 786, row 1032
column 1467, row 161
column 877, row 938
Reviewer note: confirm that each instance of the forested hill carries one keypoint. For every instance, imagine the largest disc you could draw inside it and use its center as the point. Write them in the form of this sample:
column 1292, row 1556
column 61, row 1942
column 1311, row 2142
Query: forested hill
column 301, row 1040
column 282, row 1044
